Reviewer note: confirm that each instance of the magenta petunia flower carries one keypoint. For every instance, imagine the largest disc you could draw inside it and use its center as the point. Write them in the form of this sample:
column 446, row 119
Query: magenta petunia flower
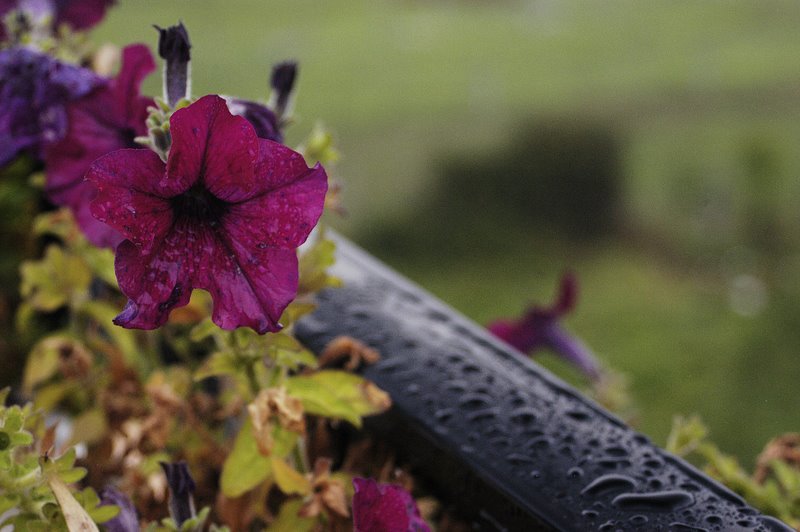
column 539, row 328
column 77, row 14
column 106, row 120
column 384, row 508
column 225, row 214
column 34, row 89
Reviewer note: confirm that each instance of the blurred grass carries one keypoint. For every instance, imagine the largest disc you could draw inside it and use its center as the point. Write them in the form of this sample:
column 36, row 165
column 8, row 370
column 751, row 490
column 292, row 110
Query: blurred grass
column 703, row 94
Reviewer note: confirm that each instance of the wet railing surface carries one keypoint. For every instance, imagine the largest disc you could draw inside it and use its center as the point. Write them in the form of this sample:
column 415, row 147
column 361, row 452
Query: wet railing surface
column 507, row 443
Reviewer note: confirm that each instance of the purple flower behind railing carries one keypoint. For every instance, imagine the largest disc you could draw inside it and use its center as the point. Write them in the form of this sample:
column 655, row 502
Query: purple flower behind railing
column 106, row 120
column 225, row 214
column 34, row 91
column 77, row 14
column 126, row 520
column 539, row 328
column 384, row 508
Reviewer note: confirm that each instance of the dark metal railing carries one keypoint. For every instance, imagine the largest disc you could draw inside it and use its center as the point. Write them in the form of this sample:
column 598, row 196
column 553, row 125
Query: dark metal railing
column 510, row 445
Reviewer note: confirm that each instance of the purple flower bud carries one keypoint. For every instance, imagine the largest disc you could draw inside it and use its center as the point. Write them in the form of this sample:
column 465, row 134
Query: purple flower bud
column 282, row 83
column 126, row 520
column 173, row 47
column 181, row 491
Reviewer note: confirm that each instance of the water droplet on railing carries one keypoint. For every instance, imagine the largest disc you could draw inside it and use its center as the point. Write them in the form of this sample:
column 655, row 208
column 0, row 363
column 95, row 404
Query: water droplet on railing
column 610, row 482
column 661, row 501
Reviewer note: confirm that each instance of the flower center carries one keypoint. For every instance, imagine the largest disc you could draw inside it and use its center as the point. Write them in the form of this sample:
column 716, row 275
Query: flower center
column 199, row 204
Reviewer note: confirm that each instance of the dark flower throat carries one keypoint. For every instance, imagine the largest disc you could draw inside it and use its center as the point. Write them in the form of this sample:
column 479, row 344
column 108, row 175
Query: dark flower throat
column 199, row 204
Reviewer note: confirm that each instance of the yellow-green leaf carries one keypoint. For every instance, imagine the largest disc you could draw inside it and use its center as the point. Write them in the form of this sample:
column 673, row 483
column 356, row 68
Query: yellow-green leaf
column 219, row 363
column 288, row 352
column 245, row 467
column 55, row 280
column 43, row 360
column 289, row 519
column 288, row 479
column 338, row 394
column 203, row 330
column 313, row 266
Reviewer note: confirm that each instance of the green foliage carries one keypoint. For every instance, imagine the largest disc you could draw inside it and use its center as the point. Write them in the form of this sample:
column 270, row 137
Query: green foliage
column 56, row 280
column 338, row 394
column 36, row 488
column 246, row 467
column 777, row 494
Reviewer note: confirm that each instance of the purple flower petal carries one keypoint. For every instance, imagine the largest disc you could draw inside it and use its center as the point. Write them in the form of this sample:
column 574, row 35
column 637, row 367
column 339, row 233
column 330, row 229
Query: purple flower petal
column 225, row 214
column 209, row 143
column 130, row 196
column 384, row 508
column 126, row 520
column 106, row 120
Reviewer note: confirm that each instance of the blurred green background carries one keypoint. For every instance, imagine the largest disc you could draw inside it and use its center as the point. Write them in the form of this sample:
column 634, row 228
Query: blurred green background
column 650, row 147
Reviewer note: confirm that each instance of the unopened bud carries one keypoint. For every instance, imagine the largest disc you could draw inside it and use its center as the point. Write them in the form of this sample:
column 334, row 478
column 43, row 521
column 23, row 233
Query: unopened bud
column 181, row 491
column 173, row 48
column 282, row 83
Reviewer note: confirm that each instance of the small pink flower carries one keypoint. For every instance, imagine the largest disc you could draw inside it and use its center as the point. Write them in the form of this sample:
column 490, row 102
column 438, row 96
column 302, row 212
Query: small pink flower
column 384, row 508
column 225, row 214
column 539, row 327
column 106, row 120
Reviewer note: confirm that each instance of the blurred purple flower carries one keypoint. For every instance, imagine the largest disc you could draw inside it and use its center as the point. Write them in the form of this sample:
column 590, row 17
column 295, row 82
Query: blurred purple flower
column 77, row 14
column 539, row 328
column 126, row 520
column 34, row 89
column 260, row 116
column 225, row 214
column 384, row 508
column 106, row 120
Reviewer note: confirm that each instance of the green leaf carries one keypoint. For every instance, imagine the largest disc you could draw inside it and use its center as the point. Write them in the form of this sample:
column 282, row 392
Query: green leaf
column 289, row 520
column 245, row 467
column 288, row 479
column 203, row 330
column 55, row 280
column 101, row 263
column 313, row 266
column 338, row 394
column 787, row 476
column 219, row 363
column 125, row 339
column 104, row 513
column 288, row 352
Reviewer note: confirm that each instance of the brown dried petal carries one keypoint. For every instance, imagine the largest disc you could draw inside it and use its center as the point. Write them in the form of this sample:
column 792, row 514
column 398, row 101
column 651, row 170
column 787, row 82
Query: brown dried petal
column 347, row 352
